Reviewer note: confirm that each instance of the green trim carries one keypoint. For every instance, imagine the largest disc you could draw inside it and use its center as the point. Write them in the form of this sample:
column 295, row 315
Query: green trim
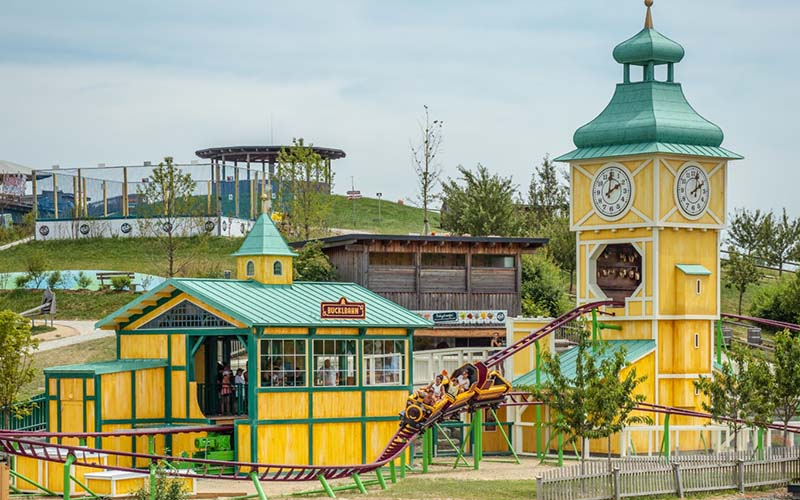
column 361, row 375
column 252, row 404
column 310, row 365
column 328, row 420
column 215, row 332
column 98, row 410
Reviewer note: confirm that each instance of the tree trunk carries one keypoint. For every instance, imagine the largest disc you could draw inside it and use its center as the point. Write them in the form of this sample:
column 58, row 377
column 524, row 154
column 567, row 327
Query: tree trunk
column 741, row 295
column 571, row 275
column 736, row 441
column 786, row 432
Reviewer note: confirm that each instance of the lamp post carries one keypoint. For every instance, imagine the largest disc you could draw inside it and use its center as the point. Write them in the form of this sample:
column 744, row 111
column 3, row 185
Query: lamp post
column 379, row 206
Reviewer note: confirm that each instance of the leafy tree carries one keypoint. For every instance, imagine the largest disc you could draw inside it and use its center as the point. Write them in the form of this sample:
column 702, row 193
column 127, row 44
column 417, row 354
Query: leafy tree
column 301, row 174
column 786, row 392
column 547, row 196
column 598, row 400
column 740, row 272
column 778, row 301
column 312, row 264
column 562, row 246
column 482, row 204
column 16, row 356
column 542, row 292
column 740, row 395
column 35, row 268
column 426, row 164
column 746, row 231
column 170, row 211
column 779, row 239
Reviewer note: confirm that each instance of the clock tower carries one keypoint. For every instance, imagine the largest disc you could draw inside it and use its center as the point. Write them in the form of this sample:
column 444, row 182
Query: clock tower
column 648, row 179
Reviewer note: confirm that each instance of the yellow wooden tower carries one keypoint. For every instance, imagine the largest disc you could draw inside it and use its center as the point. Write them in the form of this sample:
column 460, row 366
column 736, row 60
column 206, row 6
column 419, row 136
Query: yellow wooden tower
column 264, row 255
column 648, row 203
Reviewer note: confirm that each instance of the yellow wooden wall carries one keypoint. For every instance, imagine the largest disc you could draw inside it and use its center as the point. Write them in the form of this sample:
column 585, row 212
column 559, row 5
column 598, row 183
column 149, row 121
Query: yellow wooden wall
column 264, row 267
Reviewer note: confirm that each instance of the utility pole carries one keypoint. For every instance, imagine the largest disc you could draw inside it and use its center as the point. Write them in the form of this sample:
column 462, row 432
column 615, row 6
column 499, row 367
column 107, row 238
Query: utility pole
column 379, row 207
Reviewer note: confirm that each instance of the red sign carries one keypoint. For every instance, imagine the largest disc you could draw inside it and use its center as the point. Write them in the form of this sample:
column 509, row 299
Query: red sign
column 354, row 195
column 342, row 310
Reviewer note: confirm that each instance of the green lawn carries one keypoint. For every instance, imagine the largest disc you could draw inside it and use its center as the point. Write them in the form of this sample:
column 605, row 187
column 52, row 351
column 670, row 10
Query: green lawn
column 418, row 487
column 104, row 349
column 79, row 304
column 395, row 218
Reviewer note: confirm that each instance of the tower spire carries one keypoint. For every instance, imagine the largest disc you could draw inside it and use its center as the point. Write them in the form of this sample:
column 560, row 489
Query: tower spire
column 648, row 19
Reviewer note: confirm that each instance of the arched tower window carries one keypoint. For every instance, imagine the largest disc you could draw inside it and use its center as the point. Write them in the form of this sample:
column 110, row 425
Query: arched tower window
column 277, row 268
column 250, row 269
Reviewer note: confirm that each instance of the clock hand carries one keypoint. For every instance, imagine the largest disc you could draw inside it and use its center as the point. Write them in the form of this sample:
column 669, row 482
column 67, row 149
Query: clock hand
column 699, row 185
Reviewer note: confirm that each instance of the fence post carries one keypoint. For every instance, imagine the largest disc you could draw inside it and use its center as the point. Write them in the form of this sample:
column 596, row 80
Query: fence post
column 615, row 479
column 740, row 474
column 676, row 472
column 539, row 486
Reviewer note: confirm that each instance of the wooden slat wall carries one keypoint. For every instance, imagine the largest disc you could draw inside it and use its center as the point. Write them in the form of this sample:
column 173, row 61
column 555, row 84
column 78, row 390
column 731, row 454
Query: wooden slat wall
column 349, row 265
column 392, row 279
column 490, row 279
column 443, row 280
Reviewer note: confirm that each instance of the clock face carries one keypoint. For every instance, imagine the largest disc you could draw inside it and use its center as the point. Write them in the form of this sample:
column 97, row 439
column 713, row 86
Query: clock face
column 692, row 191
column 612, row 191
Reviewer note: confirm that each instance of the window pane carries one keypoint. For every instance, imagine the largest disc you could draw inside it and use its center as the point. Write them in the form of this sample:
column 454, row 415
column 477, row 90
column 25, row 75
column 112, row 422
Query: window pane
column 391, row 259
column 335, row 363
column 283, row 363
column 483, row 260
column 443, row 260
column 384, row 362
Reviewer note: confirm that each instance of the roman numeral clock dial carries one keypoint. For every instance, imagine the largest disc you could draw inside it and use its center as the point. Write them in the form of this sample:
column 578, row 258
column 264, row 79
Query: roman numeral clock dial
column 612, row 192
column 692, row 191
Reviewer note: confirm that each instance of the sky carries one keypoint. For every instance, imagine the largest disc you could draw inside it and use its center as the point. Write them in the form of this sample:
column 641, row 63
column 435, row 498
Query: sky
column 91, row 82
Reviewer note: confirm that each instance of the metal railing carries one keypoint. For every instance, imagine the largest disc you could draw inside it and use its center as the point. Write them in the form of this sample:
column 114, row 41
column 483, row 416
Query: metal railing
column 221, row 400
column 428, row 364
column 32, row 418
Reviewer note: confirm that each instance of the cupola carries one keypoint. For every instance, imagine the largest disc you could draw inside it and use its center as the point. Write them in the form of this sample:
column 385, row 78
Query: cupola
column 264, row 255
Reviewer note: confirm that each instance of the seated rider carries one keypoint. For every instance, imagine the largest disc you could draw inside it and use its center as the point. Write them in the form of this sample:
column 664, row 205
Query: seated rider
column 462, row 382
column 434, row 391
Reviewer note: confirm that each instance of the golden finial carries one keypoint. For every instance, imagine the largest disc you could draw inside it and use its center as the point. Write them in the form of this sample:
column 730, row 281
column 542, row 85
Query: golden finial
column 648, row 20
column 264, row 199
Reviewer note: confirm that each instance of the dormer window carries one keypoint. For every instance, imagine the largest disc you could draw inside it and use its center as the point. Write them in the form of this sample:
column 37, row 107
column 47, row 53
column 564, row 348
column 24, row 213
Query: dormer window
column 250, row 269
column 277, row 268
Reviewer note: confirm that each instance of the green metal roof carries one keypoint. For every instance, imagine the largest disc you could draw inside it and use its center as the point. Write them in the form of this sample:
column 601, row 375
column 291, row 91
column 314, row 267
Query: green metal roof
column 295, row 305
column 648, row 111
column 264, row 239
column 634, row 351
column 122, row 365
column 693, row 269
column 648, row 46
column 648, row 148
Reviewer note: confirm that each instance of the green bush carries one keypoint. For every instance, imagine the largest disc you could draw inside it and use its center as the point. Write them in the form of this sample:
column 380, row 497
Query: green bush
column 21, row 280
column 120, row 283
column 54, row 279
column 84, row 280
column 166, row 488
column 312, row 264
column 779, row 301
column 542, row 287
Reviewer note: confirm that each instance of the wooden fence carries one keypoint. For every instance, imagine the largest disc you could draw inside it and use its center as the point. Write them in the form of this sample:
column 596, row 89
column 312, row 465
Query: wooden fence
column 634, row 477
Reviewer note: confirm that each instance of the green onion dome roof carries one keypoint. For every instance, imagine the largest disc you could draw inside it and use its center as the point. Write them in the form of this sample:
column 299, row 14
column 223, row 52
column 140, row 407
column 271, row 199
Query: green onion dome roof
column 648, row 115
column 648, row 46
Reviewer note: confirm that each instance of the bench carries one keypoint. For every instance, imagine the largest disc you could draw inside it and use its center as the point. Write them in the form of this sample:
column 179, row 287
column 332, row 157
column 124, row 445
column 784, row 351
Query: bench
column 109, row 275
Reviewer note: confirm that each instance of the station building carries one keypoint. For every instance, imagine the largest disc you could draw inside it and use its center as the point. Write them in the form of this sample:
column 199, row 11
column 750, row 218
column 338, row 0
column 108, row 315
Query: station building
column 327, row 365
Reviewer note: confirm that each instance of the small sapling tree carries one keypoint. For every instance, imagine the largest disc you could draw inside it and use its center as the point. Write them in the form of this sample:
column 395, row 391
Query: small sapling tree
column 16, row 356
column 786, row 366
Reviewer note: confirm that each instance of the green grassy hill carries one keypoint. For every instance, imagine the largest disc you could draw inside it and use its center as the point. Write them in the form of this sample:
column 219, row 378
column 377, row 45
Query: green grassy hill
column 394, row 218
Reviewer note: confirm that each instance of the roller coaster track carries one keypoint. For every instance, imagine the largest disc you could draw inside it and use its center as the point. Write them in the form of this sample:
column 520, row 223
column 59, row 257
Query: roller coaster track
column 780, row 325
column 31, row 444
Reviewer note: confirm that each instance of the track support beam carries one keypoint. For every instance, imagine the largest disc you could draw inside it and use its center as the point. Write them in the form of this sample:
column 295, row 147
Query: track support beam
column 257, row 484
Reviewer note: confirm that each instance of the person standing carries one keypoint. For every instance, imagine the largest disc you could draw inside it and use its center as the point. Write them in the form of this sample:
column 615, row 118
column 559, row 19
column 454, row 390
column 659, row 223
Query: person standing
column 327, row 375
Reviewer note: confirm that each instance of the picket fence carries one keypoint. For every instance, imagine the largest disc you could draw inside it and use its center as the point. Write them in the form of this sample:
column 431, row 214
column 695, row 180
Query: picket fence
column 634, row 476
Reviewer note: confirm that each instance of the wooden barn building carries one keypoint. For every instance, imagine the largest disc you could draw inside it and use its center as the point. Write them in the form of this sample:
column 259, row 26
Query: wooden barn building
column 466, row 285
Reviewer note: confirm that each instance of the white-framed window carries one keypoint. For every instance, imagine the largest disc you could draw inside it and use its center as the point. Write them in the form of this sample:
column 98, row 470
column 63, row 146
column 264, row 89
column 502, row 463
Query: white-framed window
column 335, row 363
column 384, row 362
column 250, row 269
column 283, row 363
column 698, row 287
column 697, row 341
column 277, row 268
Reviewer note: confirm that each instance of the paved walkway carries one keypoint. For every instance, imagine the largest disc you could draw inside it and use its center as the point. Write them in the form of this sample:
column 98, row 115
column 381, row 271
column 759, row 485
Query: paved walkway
column 71, row 333
column 15, row 243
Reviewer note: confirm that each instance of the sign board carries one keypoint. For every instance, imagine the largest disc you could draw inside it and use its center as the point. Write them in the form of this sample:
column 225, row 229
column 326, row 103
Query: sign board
column 343, row 309
column 476, row 317
column 354, row 195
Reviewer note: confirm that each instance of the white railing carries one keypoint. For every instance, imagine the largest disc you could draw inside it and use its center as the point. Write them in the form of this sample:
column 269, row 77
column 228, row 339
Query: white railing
column 428, row 364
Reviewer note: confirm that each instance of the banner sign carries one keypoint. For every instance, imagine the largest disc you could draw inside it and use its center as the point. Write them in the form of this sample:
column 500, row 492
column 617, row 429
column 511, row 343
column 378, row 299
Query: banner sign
column 476, row 317
column 343, row 310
